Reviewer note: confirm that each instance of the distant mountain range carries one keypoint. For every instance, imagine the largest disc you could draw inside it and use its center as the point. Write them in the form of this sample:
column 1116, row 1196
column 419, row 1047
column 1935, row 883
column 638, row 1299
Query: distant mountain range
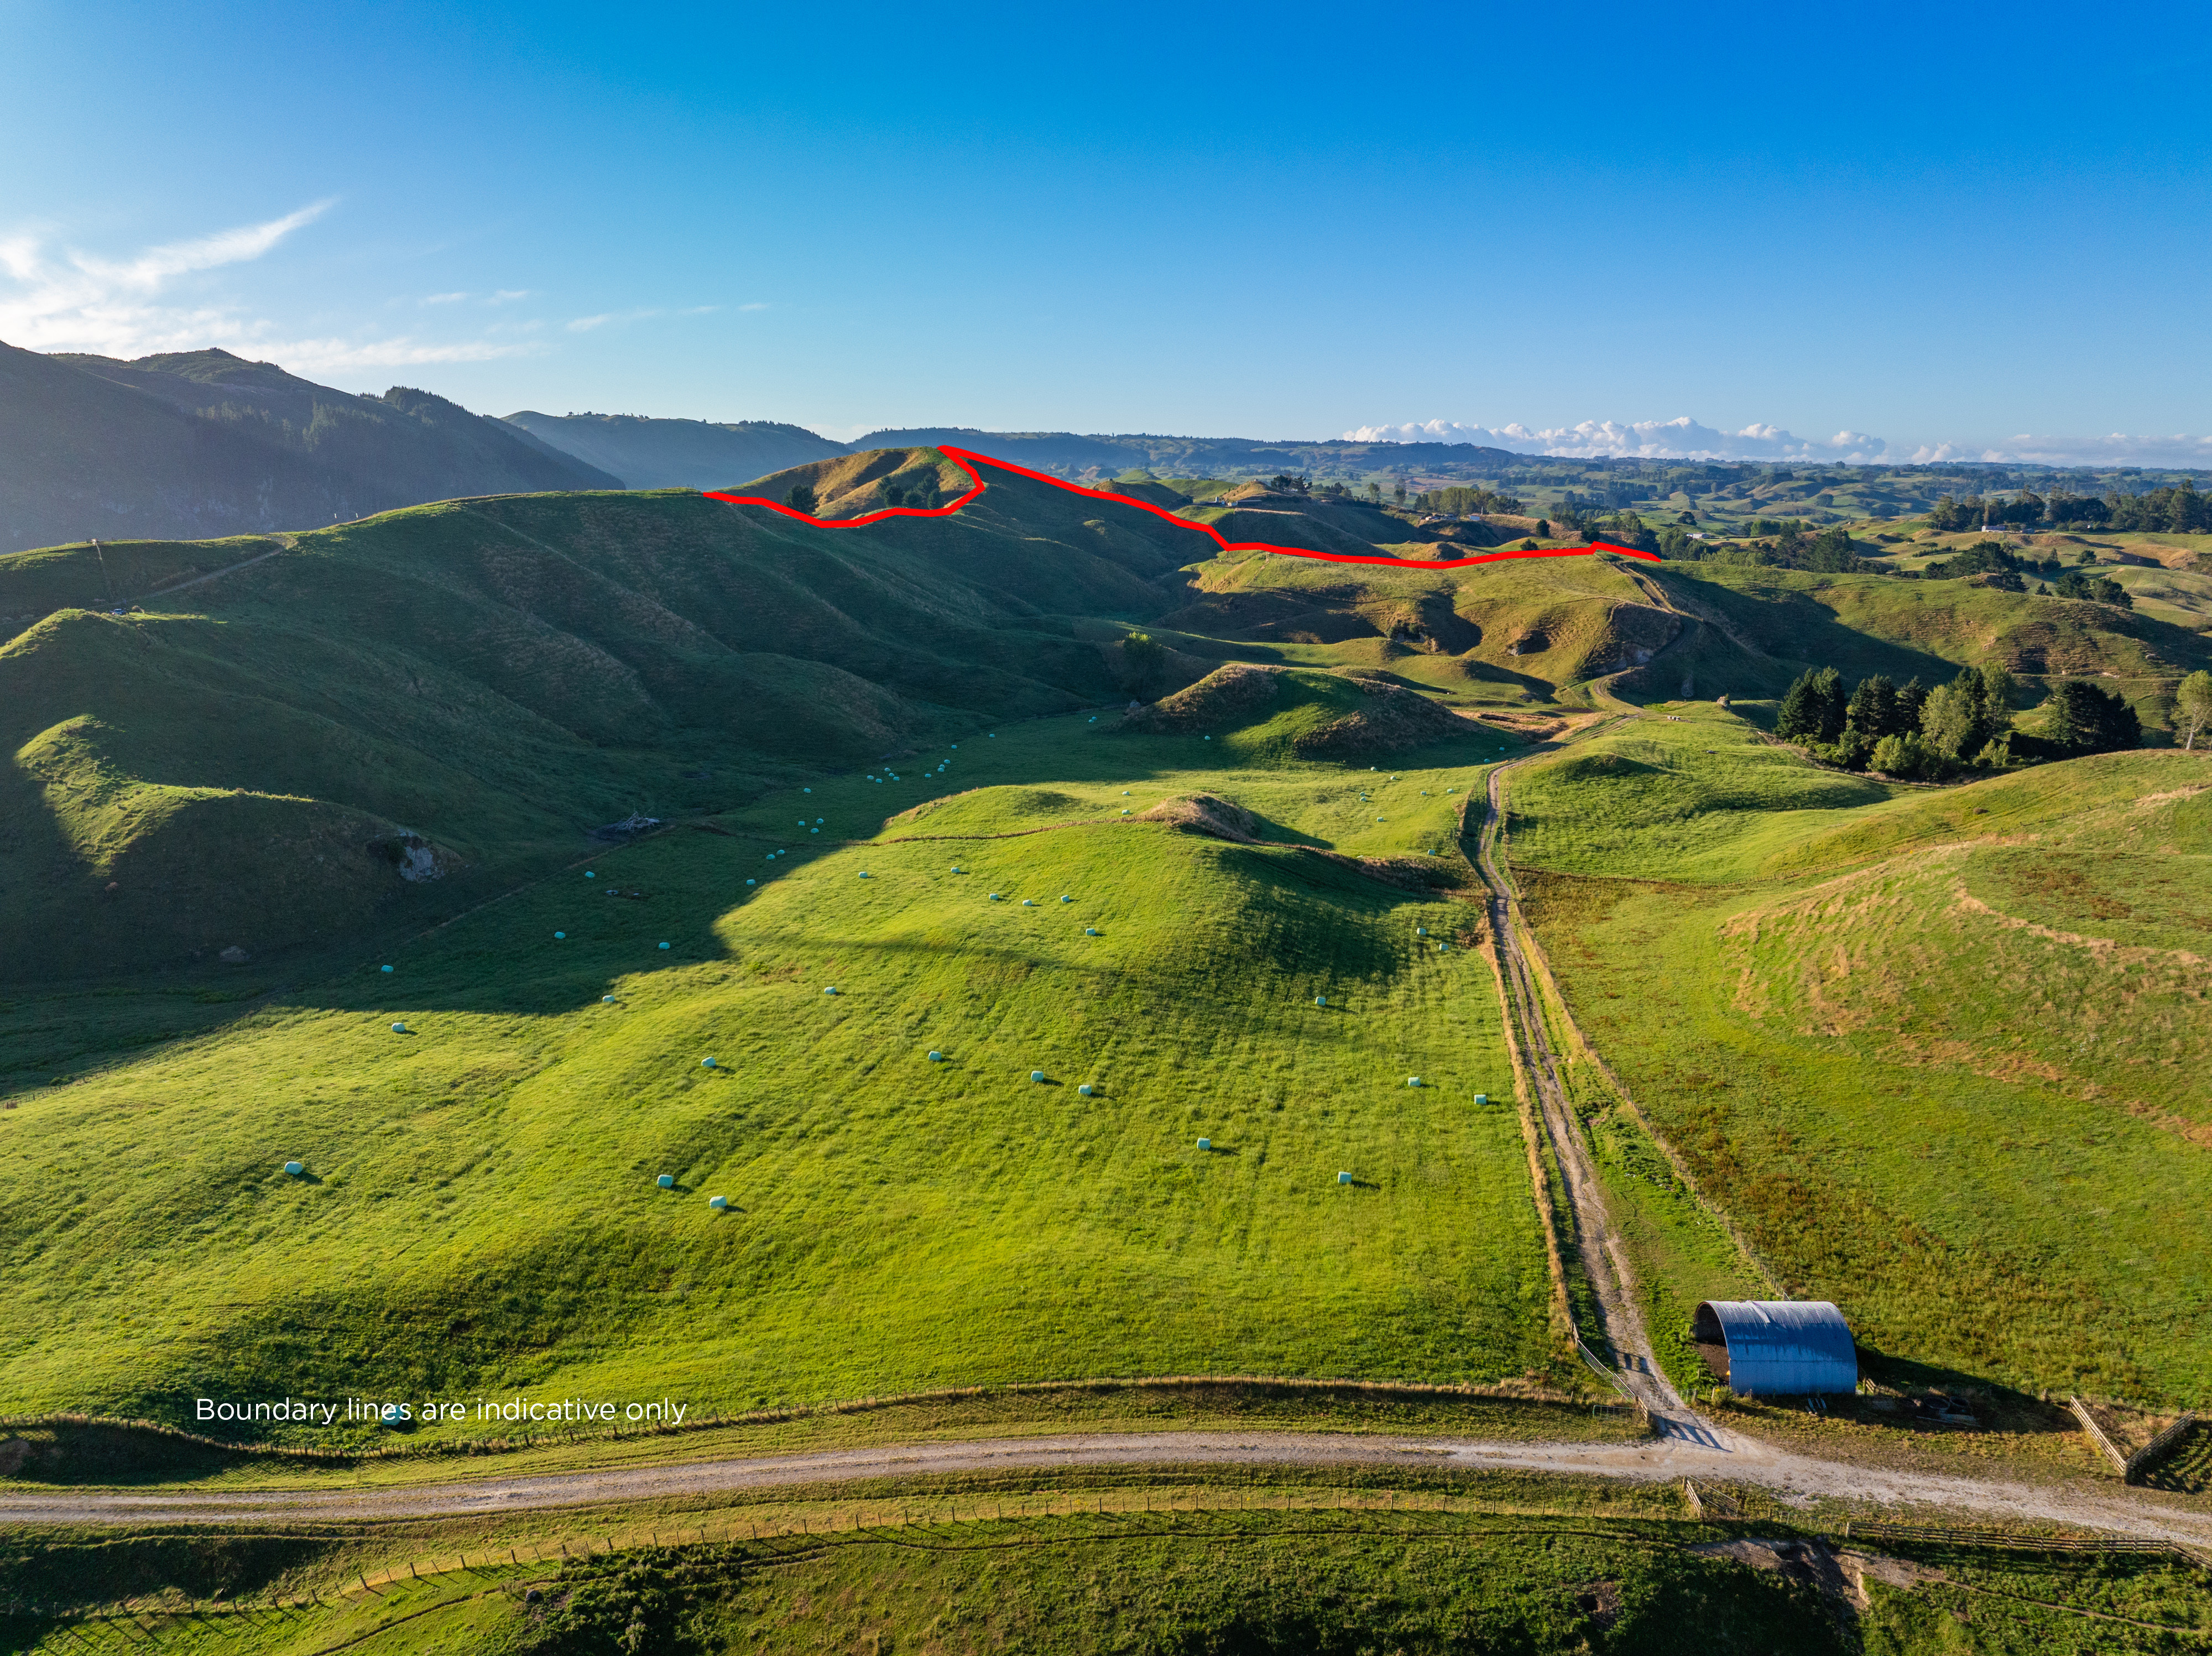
column 200, row 444
column 648, row 453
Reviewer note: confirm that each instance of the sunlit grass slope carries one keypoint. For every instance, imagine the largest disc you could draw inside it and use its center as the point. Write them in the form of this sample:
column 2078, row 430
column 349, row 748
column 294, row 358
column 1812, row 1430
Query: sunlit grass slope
column 1501, row 631
column 1863, row 624
column 1941, row 1058
column 236, row 765
column 481, row 1211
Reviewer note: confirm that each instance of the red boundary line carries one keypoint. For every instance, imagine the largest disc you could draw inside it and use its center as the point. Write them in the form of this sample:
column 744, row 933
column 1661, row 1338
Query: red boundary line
column 968, row 459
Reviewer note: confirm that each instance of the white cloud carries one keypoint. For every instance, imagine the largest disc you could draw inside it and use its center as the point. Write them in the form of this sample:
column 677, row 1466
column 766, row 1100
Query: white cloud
column 508, row 295
column 320, row 356
column 2118, row 449
column 1684, row 439
column 68, row 300
column 585, row 324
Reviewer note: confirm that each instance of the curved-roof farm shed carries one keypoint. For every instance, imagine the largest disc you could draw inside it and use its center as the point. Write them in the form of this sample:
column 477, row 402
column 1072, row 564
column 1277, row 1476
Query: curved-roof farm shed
column 1770, row 1348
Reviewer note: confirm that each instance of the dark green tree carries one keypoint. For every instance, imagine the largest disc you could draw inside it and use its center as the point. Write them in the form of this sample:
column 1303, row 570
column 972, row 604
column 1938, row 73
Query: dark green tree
column 2087, row 719
column 1813, row 709
column 1911, row 697
column 1872, row 711
column 800, row 498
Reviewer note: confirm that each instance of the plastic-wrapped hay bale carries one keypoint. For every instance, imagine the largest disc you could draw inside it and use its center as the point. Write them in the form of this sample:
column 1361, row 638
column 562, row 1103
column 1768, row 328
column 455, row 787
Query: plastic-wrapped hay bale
column 1482, row 1098
column 996, row 898
column 1090, row 930
column 1085, row 1089
column 559, row 937
column 1206, row 1144
column 606, row 1000
column 706, row 1062
column 936, row 1057
column 1029, row 902
column 295, row 1168
column 387, row 968
column 1037, row 1075
column 663, row 946
column 399, row 1028
column 748, row 882
column 666, row 1181
column 1420, row 931
column 831, row 990
column 589, row 875
column 720, row 1204
column 1412, row 1080
column 1344, row 1179
column 1321, row 1000
column 1065, row 898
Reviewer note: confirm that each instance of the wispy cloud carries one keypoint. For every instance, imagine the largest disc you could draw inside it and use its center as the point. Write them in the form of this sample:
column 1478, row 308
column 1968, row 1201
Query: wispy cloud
column 320, row 355
column 754, row 307
column 585, row 324
column 508, row 295
column 73, row 300
column 60, row 299
column 1684, row 439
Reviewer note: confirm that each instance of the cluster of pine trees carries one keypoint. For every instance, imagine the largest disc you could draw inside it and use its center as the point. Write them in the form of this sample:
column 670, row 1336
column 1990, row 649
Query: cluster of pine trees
column 1925, row 735
column 2004, row 568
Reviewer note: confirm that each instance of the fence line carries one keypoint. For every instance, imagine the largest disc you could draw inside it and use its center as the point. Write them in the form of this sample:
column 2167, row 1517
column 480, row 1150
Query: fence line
column 859, row 1519
column 531, row 1440
column 2097, row 1434
column 2158, row 1447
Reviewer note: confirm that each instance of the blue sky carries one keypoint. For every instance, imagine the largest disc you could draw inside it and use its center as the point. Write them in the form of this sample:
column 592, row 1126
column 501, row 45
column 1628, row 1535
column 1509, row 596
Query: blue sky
column 1922, row 225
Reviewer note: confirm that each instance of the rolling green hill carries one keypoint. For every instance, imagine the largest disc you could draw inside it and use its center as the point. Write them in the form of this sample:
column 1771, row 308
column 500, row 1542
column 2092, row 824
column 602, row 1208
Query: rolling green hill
column 496, row 679
column 1857, row 1009
column 480, row 1205
column 200, row 443
column 1937, row 1052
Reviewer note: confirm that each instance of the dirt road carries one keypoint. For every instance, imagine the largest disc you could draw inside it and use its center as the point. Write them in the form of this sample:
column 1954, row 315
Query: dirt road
column 1720, row 1458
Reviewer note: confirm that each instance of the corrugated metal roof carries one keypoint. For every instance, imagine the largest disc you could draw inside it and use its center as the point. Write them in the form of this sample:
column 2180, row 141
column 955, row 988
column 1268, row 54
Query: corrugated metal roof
column 1784, row 1347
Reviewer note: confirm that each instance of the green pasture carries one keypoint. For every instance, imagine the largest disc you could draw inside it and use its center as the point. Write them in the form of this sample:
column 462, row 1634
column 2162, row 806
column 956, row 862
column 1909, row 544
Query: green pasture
column 1940, row 1059
column 479, row 1211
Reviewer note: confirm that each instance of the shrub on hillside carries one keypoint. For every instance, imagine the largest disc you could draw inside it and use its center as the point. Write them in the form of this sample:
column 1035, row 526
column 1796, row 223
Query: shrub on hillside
column 800, row 498
column 1909, row 757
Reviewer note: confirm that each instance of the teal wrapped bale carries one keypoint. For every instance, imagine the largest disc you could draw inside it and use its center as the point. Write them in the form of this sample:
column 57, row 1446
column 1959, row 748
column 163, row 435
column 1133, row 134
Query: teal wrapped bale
column 1037, row 1075
column 1206, row 1144
column 1344, row 1179
column 295, row 1168
column 666, row 1181
column 720, row 1204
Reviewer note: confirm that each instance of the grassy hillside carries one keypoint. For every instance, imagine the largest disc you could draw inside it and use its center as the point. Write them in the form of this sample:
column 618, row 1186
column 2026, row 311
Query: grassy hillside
column 480, row 1208
column 200, row 443
column 1937, row 1055
column 1863, row 624
column 497, row 678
